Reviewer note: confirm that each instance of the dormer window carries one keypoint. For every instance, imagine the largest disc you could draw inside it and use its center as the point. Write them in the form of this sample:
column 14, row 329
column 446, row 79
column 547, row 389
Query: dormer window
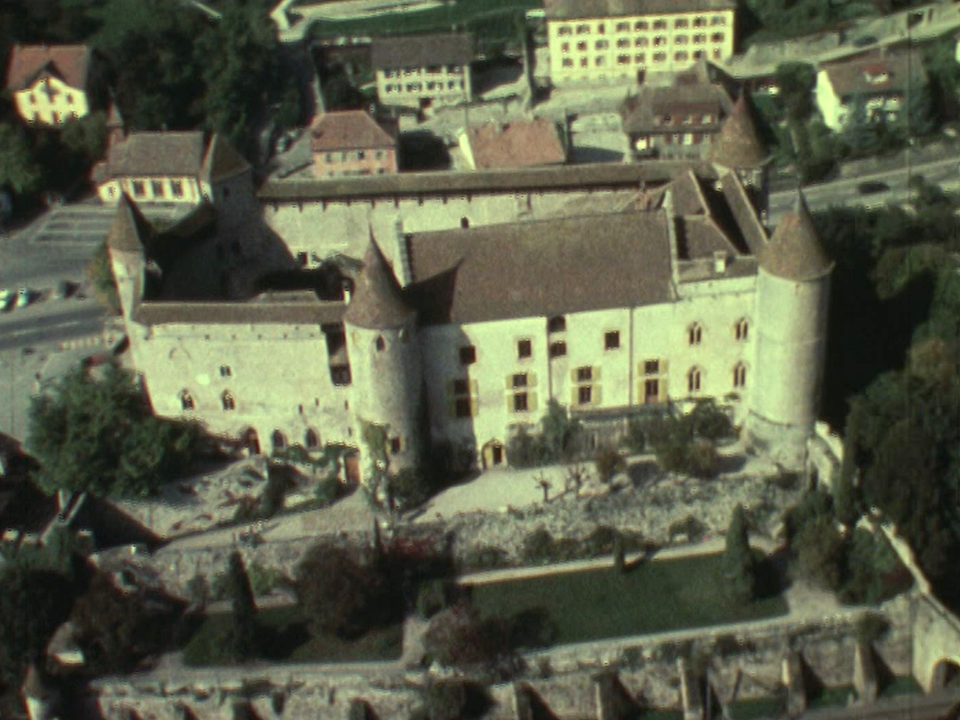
column 225, row 371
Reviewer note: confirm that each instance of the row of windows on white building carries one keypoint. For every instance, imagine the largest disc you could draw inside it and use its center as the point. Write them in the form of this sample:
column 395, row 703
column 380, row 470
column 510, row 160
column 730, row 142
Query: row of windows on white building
column 641, row 58
column 623, row 26
column 431, row 86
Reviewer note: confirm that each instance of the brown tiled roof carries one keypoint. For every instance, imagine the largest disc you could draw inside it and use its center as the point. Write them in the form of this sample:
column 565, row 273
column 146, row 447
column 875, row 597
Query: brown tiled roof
column 351, row 130
column 794, row 252
column 222, row 161
column 542, row 268
column 851, row 77
column 571, row 9
column 156, row 153
column 388, row 53
column 130, row 230
column 516, row 144
column 738, row 144
column 597, row 175
column 377, row 301
column 699, row 237
column 752, row 230
column 638, row 112
column 70, row 63
column 304, row 311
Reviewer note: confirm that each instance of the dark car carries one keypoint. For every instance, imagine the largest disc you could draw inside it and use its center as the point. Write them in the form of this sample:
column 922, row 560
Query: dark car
column 864, row 41
column 871, row 187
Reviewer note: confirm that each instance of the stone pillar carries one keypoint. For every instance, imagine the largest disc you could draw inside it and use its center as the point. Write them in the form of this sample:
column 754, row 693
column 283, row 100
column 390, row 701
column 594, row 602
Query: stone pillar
column 864, row 674
column 792, row 678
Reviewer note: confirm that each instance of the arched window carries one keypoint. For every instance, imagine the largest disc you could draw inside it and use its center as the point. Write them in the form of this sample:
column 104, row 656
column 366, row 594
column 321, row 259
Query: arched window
column 739, row 375
column 695, row 333
column 278, row 440
column 227, row 400
column 380, row 343
column 558, row 323
column 312, row 439
column 225, row 371
column 693, row 380
column 741, row 329
column 186, row 400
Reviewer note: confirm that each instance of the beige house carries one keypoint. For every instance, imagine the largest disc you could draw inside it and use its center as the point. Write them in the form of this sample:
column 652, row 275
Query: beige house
column 600, row 40
column 880, row 82
column 51, row 84
column 351, row 142
column 517, row 144
column 170, row 167
column 421, row 71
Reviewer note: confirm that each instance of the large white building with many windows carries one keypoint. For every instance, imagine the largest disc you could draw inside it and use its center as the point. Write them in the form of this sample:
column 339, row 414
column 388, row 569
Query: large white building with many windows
column 601, row 40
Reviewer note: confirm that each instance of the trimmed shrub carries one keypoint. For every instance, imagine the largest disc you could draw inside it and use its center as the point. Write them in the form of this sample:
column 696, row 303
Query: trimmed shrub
column 737, row 562
column 538, row 546
column 689, row 526
column 609, row 463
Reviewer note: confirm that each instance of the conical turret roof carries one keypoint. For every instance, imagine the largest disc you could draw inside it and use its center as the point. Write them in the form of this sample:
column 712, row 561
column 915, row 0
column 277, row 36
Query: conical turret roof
column 377, row 302
column 794, row 252
column 738, row 144
column 222, row 160
column 130, row 229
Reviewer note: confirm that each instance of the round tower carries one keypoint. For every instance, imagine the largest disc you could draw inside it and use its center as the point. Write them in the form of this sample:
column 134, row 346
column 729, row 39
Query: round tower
column 792, row 299
column 739, row 148
column 384, row 359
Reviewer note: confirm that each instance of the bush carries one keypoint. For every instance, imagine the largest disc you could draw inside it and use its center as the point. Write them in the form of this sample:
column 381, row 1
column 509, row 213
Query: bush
column 431, row 598
column 609, row 463
column 737, row 562
column 689, row 526
column 875, row 572
column 485, row 557
column 820, row 554
column 198, row 591
column 701, row 459
column 538, row 547
column 458, row 637
column 600, row 542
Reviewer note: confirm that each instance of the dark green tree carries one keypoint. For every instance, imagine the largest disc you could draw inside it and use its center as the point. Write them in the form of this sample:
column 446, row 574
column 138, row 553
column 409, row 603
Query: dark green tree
column 86, row 137
column 243, row 630
column 738, row 566
column 19, row 169
column 100, row 436
column 796, row 81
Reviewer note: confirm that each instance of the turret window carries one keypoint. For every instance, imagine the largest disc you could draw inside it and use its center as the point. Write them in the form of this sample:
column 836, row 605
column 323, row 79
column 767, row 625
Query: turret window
column 380, row 344
column 739, row 375
column 186, row 401
column 695, row 334
column 611, row 340
column 468, row 355
column 694, row 379
column 524, row 349
column 741, row 329
column 311, row 439
column 556, row 324
column 227, row 400
column 225, row 371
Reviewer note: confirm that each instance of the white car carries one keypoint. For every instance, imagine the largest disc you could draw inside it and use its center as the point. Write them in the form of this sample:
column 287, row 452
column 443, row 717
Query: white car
column 6, row 298
column 23, row 297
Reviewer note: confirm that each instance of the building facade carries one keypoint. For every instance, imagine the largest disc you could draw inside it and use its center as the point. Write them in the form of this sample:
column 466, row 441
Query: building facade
column 422, row 71
column 602, row 40
column 517, row 144
column 350, row 142
column 51, row 85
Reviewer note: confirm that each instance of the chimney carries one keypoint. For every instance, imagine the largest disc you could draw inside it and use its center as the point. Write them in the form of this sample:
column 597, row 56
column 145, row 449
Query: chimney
column 719, row 262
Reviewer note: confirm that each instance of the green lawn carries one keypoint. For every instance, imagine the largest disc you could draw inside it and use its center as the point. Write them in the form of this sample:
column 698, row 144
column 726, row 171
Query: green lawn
column 656, row 596
column 901, row 686
column 755, row 709
column 284, row 636
column 461, row 14
column 831, row 697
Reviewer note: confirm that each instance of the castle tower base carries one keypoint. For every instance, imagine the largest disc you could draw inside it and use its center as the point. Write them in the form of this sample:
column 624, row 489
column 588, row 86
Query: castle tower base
column 786, row 445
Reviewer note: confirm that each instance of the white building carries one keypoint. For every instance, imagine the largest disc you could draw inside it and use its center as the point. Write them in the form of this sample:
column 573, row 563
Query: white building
column 52, row 84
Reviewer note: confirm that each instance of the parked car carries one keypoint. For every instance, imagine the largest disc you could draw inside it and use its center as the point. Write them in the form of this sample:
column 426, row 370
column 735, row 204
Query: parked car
column 7, row 298
column 24, row 296
column 63, row 290
column 871, row 187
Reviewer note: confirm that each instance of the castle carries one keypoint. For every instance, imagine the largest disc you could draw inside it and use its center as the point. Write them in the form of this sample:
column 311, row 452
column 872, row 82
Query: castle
column 461, row 336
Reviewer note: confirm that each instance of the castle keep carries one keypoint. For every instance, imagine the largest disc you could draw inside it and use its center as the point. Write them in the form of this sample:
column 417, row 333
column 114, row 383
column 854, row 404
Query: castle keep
column 461, row 335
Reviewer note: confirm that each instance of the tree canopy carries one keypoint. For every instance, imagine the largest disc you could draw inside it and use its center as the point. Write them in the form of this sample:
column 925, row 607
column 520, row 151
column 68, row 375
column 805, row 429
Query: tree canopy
column 98, row 435
column 19, row 169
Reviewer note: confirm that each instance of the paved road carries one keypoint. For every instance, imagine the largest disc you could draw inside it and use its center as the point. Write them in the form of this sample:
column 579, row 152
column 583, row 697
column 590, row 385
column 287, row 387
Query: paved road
column 52, row 328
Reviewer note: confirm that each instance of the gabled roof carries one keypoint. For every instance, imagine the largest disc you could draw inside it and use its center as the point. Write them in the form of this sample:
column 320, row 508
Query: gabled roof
column 572, row 9
column 156, row 153
column 541, row 268
column 351, row 130
column 222, row 161
column 516, row 144
column 389, row 53
column 70, row 63
column 639, row 113
column 130, row 230
column 738, row 144
column 377, row 301
column 874, row 74
column 794, row 252
column 114, row 118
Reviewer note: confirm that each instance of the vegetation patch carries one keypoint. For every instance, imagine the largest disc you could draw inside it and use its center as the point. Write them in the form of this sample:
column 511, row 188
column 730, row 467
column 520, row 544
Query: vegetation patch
column 655, row 596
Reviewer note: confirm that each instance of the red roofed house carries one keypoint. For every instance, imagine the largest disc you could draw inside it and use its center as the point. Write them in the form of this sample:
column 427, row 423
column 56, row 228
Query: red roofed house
column 517, row 144
column 350, row 142
column 52, row 84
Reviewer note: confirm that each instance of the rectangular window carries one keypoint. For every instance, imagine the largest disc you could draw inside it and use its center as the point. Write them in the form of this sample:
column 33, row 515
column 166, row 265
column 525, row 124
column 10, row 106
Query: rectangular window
column 718, row 20
column 139, row 190
column 640, row 58
column 461, row 387
column 651, row 367
column 225, row 371
column 361, row 155
column 611, row 340
column 565, row 47
column 585, row 394
column 641, row 25
column 176, row 188
column 681, row 23
column 395, row 445
column 583, row 29
column 623, row 42
column 680, row 40
column 520, row 402
column 700, row 21
column 716, row 37
column 581, row 46
column 567, row 62
column 641, row 42
column 558, row 349
column 524, row 349
column 651, row 390
column 680, row 56
column 462, row 407
column 623, row 59
column 601, row 44
column 660, row 25
column 659, row 57
column 468, row 355
column 564, row 30
column 157, row 187
column 623, row 27
column 584, row 374
column 519, row 380
column 340, row 374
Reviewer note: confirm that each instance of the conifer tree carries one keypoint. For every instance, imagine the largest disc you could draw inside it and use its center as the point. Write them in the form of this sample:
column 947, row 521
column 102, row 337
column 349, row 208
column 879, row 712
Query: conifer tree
column 243, row 643
column 737, row 563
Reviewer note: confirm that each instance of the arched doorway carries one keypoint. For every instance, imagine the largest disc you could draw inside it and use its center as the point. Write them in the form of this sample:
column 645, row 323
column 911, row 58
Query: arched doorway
column 251, row 441
column 493, row 455
column 946, row 674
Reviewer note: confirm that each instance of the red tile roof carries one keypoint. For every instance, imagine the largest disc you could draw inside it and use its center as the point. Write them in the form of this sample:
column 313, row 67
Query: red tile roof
column 738, row 145
column 515, row 145
column 872, row 74
column 68, row 62
column 351, row 130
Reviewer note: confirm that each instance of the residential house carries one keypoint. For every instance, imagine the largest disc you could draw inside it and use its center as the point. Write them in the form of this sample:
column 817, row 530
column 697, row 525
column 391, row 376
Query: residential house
column 351, row 142
column 517, row 144
column 879, row 83
column 52, row 84
column 420, row 71
column 677, row 121
column 598, row 40
column 171, row 167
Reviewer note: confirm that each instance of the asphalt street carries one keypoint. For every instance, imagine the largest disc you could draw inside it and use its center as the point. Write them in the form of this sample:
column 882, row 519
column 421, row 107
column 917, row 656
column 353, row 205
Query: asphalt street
column 52, row 328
